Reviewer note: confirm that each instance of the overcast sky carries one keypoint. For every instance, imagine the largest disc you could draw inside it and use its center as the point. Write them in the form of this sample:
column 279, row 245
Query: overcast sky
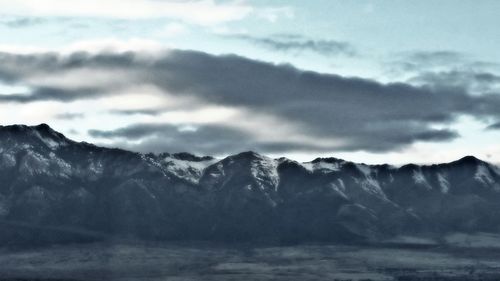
column 367, row 81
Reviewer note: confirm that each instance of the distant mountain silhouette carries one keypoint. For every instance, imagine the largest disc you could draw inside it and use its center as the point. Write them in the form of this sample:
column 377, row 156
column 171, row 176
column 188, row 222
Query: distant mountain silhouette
column 55, row 190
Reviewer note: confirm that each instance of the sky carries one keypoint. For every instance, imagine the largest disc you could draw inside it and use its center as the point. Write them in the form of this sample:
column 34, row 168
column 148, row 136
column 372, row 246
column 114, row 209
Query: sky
column 367, row 81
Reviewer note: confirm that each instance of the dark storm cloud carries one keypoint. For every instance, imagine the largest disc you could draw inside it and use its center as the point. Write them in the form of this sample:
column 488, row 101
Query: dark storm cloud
column 151, row 112
column 448, row 69
column 363, row 114
column 50, row 93
column 459, row 77
column 297, row 43
column 70, row 116
column 220, row 139
column 393, row 140
column 475, row 81
column 441, row 63
column 426, row 59
column 16, row 68
column 495, row 126
column 205, row 139
column 138, row 131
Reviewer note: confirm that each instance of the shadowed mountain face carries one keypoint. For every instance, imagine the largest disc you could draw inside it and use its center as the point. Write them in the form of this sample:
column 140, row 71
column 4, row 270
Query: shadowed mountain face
column 55, row 190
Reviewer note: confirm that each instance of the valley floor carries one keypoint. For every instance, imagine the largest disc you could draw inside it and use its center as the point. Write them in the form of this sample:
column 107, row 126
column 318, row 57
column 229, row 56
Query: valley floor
column 196, row 261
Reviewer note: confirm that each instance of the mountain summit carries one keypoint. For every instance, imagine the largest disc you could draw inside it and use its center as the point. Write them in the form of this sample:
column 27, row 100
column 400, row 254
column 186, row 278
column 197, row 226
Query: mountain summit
column 53, row 189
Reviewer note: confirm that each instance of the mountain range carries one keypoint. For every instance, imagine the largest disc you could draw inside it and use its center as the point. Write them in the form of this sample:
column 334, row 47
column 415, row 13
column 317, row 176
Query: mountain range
column 56, row 190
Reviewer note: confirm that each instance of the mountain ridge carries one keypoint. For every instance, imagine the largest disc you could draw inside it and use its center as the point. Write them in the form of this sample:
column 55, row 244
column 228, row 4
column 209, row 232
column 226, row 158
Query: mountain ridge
column 51, row 182
column 46, row 127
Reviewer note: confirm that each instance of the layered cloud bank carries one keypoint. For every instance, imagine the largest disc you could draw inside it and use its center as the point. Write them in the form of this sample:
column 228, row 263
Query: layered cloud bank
column 210, row 104
column 198, row 12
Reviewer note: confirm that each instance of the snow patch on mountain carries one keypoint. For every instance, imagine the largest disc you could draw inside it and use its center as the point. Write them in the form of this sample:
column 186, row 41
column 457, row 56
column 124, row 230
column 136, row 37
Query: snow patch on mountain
column 365, row 169
column 443, row 183
column 483, row 175
column 265, row 169
column 188, row 170
column 368, row 183
column 33, row 164
column 341, row 184
column 372, row 186
column 93, row 171
column 419, row 178
column 339, row 188
column 7, row 160
column 49, row 142
column 324, row 167
column 59, row 166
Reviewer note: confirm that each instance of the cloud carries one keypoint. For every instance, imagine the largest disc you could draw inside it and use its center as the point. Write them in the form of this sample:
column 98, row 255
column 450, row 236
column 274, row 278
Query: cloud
column 409, row 63
column 202, row 139
column 203, row 12
column 21, row 22
column 475, row 81
column 50, row 93
column 495, row 126
column 435, row 57
column 297, row 44
column 272, row 14
column 437, row 61
column 211, row 139
column 339, row 113
column 173, row 29
column 447, row 69
column 151, row 112
column 69, row 116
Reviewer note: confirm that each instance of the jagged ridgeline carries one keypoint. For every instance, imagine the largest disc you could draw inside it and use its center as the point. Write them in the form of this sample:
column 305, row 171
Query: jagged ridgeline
column 55, row 190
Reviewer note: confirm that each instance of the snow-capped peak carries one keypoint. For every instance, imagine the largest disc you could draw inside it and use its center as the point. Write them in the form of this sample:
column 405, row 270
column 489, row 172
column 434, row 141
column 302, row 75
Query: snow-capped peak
column 266, row 169
column 324, row 165
column 186, row 169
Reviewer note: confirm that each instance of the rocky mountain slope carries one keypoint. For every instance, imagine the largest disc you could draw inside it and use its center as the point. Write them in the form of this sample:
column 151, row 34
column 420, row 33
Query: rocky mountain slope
column 55, row 190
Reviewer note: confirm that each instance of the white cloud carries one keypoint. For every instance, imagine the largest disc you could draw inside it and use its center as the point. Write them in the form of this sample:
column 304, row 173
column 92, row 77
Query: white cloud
column 114, row 45
column 12, row 89
column 203, row 12
column 272, row 14
column 29, row 114
column 107, row 45
column 174, row 29
column 19, row 49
